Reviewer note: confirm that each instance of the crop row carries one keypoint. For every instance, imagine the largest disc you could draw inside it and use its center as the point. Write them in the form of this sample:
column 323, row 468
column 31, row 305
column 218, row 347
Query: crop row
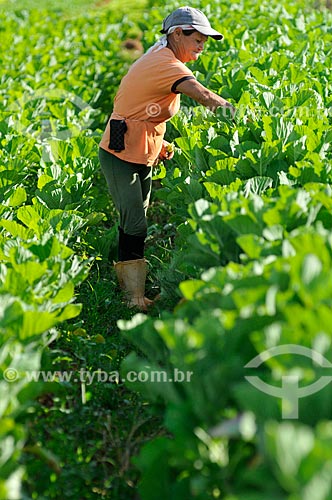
column 252, row 261
column 252, row 253
column 50, row 204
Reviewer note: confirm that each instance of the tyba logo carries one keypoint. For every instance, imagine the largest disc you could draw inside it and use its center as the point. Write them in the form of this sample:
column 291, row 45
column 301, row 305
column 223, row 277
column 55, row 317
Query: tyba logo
column 290, row 391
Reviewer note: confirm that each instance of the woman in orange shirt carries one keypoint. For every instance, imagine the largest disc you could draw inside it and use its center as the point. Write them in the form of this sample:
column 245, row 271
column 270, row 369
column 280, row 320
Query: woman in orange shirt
column 148, row 96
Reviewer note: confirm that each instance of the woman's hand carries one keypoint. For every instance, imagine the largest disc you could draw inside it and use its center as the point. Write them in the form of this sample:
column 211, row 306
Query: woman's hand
column 167, row 151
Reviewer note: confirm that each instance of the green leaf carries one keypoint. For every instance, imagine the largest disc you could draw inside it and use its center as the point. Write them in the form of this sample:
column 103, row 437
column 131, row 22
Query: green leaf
column 242, row 224
column 18, row 197
column 70, row 311
column 65, row 294
column 16, row 230
column 11, row 311
column 251, row 244
column 289, row 444
column 189, row 288
column 30, row 217
column 34, row 323
column 153, row 461
column 312, row 268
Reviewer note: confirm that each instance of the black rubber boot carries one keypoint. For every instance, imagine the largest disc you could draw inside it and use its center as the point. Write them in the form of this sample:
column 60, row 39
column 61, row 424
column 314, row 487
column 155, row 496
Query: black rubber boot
column 130, row 247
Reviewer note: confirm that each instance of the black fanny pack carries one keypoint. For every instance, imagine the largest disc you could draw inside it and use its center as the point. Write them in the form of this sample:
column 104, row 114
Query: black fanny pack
column 118, row 129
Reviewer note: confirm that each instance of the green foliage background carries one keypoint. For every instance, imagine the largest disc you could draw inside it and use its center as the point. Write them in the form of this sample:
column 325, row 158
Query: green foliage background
column 239, row 248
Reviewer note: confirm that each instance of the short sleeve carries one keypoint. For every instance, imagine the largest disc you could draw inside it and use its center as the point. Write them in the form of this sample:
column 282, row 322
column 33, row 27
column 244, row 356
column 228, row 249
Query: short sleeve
column 171, row 72
column 183, row 79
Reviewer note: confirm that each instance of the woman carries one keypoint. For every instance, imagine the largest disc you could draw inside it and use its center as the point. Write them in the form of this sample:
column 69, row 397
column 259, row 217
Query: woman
column 132, row 144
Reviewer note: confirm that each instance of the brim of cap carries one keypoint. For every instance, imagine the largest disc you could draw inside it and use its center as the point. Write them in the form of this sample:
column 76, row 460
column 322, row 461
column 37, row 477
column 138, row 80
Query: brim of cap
column 208, row 32
column 205, row 31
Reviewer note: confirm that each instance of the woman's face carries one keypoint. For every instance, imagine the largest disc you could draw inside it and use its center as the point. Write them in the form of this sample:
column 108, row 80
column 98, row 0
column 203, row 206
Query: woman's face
column 188, row 48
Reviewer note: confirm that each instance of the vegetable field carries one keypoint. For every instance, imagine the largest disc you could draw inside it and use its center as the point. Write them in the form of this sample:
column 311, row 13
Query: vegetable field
column 239, row 248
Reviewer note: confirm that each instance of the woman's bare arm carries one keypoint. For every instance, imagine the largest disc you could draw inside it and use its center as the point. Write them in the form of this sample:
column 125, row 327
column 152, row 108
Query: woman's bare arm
column 201, row 94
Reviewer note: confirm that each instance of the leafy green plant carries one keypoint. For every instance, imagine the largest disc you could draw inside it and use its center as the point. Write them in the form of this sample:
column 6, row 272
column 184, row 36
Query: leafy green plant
column 254, row 239
column 228, row 316
column 241, row 230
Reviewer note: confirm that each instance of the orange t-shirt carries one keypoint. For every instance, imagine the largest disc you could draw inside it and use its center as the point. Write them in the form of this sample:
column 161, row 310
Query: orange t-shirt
column 146, row 99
